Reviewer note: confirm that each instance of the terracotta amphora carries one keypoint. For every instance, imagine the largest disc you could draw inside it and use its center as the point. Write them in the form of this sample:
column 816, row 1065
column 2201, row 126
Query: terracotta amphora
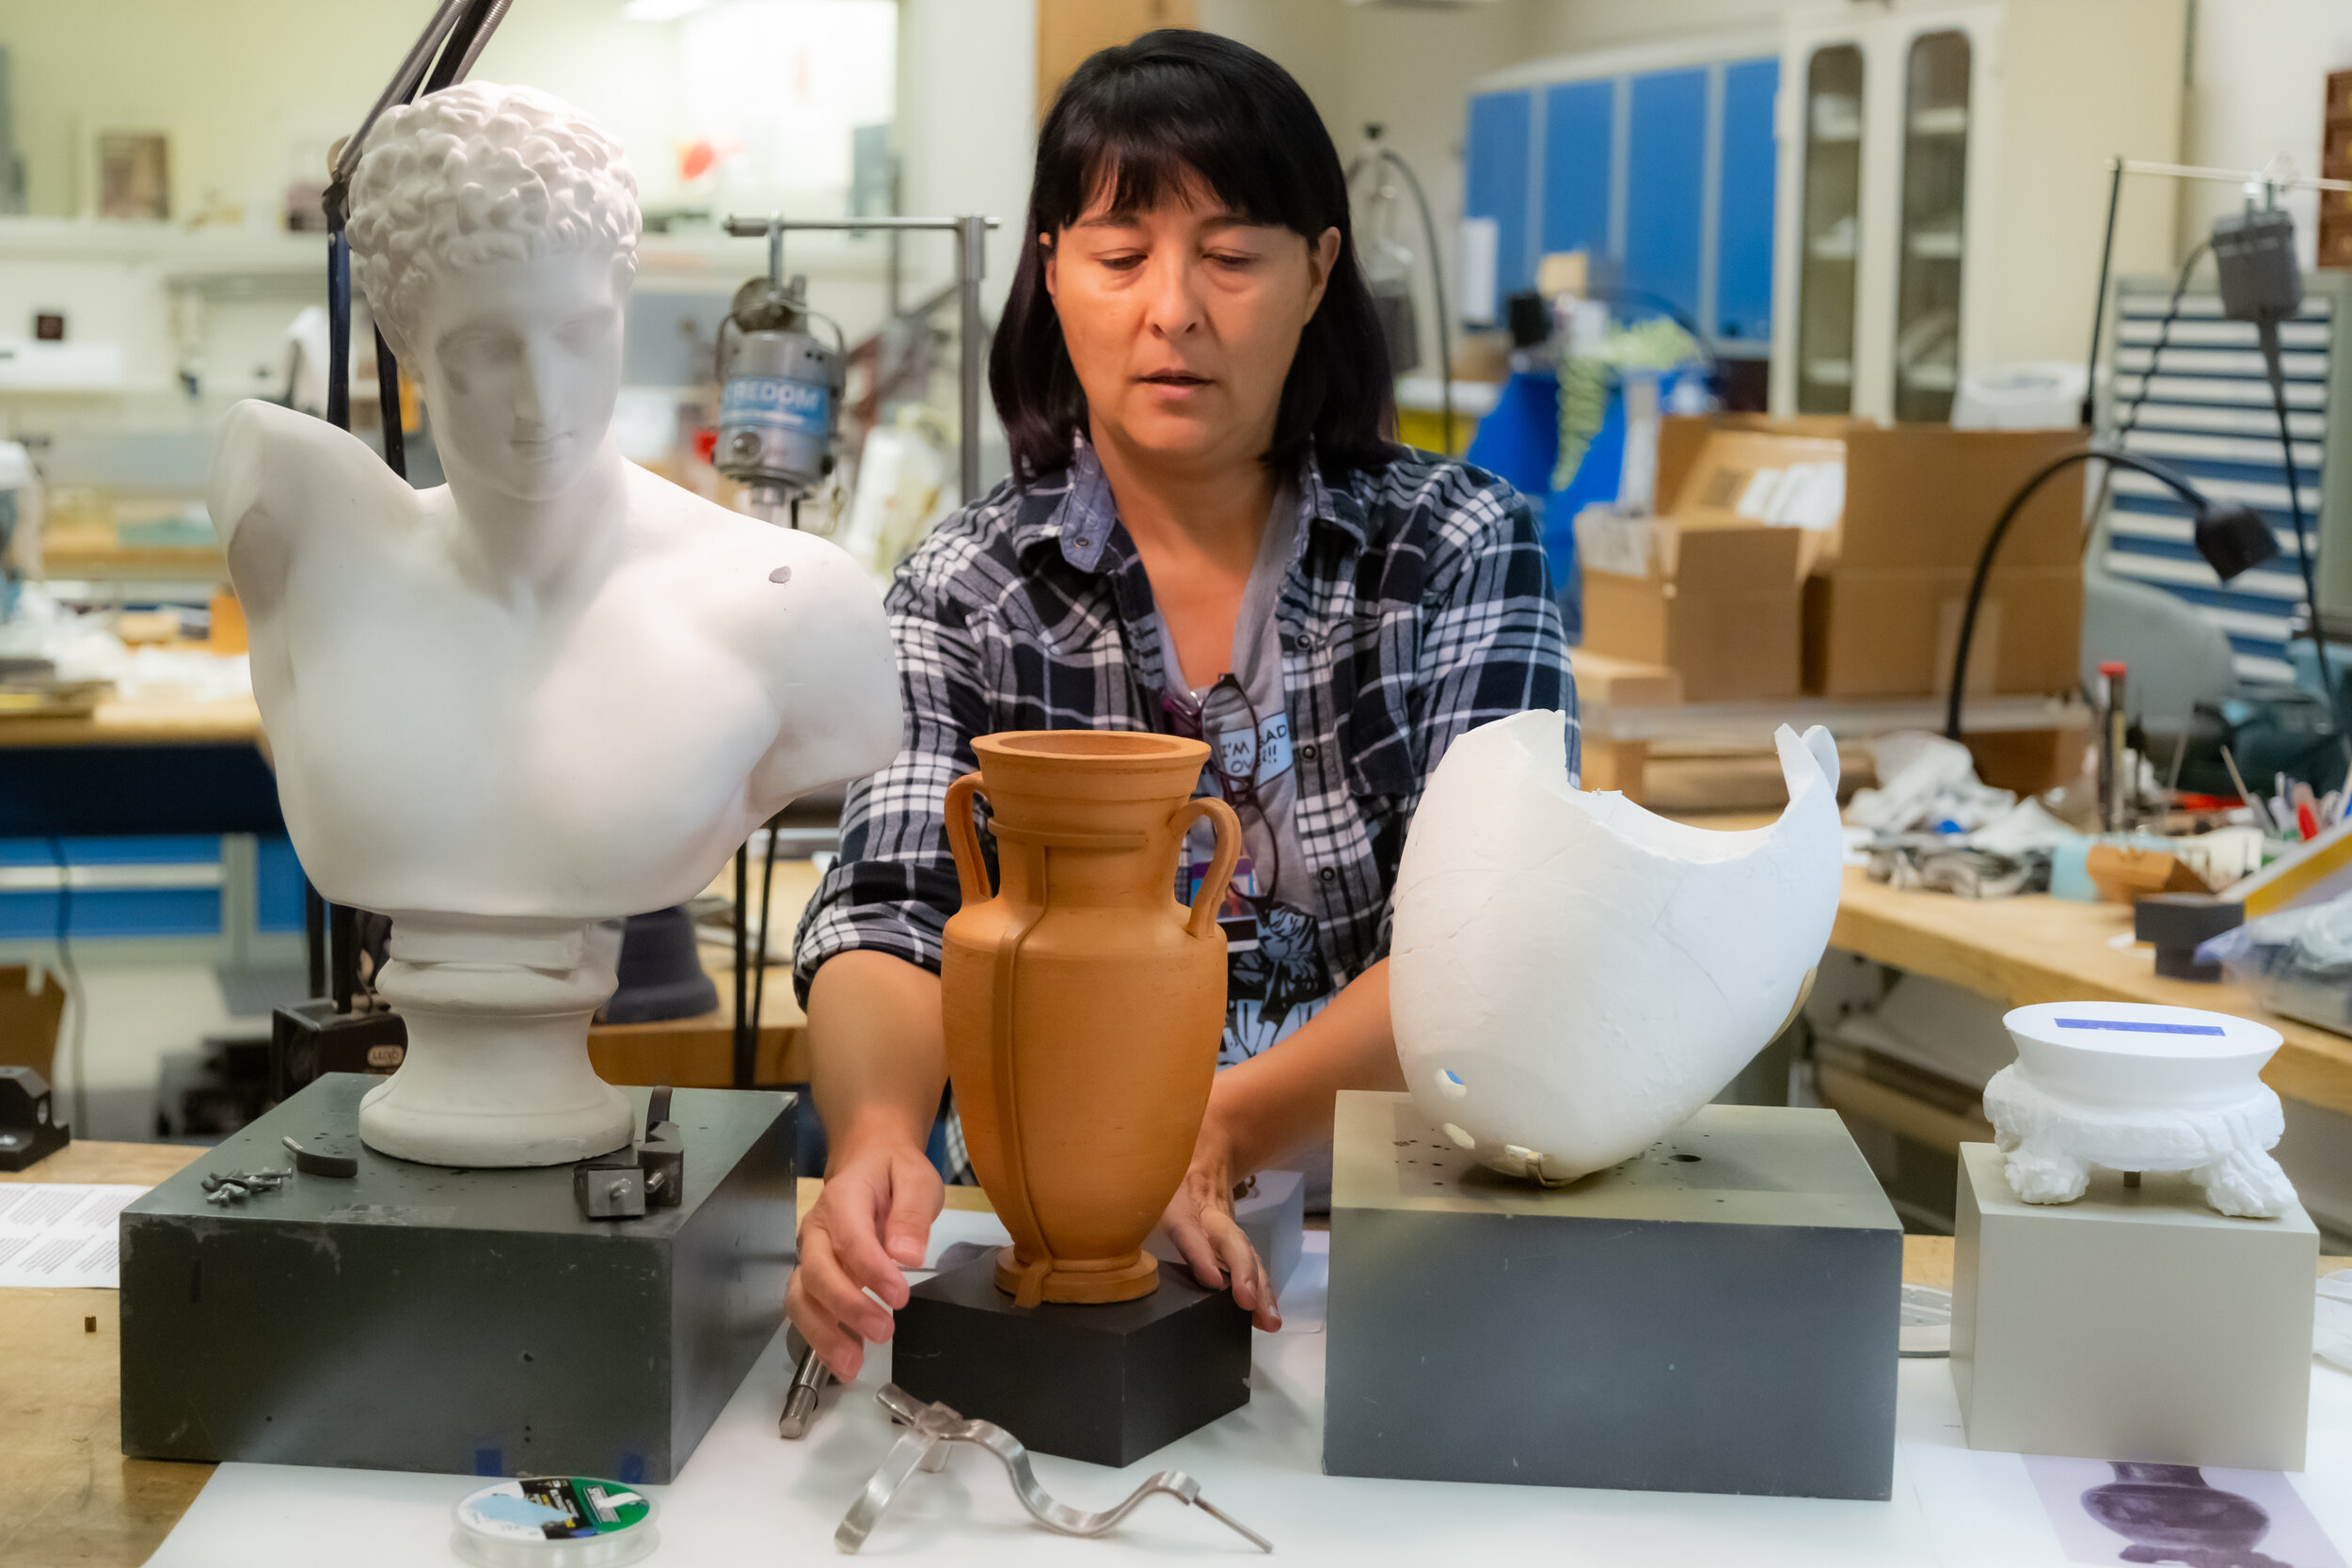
column 1084, row 1005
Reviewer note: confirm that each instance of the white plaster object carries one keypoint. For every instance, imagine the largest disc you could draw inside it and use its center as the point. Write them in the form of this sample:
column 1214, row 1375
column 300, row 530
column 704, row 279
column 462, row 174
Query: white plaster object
column 1571, row 976
column 2134, row 1087
column 557, row 690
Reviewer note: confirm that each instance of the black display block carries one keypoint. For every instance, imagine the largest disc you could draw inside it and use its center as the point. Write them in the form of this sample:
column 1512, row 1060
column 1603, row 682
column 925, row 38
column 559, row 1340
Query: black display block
column 1106, row 1384
column 411, row 1316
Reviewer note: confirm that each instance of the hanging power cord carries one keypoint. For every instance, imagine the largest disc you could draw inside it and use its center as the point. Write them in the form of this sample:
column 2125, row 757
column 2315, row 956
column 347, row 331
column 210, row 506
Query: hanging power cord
column 1386, row 158
column 2130, row 420
column 2229, row 537
column 77, row 994
column 2262, row 282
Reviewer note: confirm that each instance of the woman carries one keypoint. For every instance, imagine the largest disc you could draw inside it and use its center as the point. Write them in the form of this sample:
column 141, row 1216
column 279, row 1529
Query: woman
column 1206, row 531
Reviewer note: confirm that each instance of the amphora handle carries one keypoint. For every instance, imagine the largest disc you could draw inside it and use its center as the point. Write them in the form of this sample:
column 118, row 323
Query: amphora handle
column 1212, row 891
column 963, row 841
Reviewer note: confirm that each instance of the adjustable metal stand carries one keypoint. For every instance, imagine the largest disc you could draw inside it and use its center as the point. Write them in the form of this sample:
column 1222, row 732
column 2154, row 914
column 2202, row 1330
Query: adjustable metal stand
column 926, row 1447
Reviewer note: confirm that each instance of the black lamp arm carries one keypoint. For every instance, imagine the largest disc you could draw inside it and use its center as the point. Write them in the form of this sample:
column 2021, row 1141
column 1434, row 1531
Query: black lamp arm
column 2157, row 471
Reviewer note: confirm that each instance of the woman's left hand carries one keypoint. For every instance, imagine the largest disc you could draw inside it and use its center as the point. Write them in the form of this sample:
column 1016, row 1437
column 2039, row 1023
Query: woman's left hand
column 1199, row 1219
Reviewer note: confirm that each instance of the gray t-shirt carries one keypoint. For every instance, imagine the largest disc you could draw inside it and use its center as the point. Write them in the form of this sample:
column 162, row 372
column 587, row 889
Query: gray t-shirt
column 1274, row 952
column 1268, row 834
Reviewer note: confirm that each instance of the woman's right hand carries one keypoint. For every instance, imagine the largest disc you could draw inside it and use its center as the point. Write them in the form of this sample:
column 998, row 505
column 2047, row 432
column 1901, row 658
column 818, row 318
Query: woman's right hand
column 872, row 1220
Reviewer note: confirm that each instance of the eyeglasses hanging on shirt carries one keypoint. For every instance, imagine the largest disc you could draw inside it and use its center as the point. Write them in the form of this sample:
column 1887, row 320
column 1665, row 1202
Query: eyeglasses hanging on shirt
column 1270, row 946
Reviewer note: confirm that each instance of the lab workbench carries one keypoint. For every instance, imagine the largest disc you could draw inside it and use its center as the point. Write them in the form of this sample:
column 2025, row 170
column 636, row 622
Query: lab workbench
column 2036, row 948
column 78, row 1501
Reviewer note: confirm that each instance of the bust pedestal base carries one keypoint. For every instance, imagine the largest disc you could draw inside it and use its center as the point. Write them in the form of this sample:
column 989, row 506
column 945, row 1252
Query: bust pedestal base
column 496, row 1071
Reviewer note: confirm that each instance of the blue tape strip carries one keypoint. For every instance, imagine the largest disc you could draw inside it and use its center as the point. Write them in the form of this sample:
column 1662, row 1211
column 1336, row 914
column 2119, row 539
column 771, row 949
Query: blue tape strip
column 2132, row 1027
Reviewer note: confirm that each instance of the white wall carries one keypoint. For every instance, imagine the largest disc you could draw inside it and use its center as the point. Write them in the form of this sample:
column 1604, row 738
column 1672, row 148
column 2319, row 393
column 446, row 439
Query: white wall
column 253, row 90
column 2257, row 83
column 1409, row 69
column 966, row 127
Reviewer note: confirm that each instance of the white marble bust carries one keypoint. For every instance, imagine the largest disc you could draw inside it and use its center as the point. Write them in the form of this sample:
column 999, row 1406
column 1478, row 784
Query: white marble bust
column 557, row 690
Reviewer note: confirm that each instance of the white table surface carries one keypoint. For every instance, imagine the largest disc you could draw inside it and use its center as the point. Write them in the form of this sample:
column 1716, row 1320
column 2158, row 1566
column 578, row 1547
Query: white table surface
column 748, row 1498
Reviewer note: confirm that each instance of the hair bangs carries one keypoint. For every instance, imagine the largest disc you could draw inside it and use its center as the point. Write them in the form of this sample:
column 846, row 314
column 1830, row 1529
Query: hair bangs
column 1153, row 155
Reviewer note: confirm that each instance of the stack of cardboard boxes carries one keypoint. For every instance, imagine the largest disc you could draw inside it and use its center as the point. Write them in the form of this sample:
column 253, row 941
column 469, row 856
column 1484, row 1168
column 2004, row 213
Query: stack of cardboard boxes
column 1832, row 558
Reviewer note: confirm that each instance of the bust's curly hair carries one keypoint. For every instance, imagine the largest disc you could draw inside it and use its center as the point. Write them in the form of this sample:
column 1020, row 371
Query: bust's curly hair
column 478, row 173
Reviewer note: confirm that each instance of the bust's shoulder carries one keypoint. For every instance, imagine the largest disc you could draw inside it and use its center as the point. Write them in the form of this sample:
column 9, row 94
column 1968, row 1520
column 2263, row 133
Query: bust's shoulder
column 738, row 566
column 273, row 462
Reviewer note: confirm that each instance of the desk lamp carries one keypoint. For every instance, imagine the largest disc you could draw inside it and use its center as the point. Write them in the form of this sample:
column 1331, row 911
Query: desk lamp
column 2230, row 536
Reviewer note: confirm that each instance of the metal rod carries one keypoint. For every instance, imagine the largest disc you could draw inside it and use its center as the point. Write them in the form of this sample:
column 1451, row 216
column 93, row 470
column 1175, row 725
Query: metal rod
column 753, row 229
column 403, row 82
column 2099, row 301
column 971, row 262
column 490, row 21
column 2229, row 176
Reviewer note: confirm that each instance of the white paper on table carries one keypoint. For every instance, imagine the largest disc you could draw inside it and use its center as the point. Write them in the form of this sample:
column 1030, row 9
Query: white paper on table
column 55, row 1233
column 1992, row 1510
column 749, row 1497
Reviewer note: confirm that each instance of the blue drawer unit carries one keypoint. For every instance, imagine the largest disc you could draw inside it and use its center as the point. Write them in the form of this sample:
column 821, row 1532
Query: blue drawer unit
column 1580, row 145
column 1666, row 179
column 1743, row 222
column 1497, row 179
column 123, row 887
column 1665, row 174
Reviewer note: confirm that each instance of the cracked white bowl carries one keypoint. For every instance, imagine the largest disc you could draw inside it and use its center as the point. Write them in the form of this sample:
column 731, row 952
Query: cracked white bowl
column 1572, row 976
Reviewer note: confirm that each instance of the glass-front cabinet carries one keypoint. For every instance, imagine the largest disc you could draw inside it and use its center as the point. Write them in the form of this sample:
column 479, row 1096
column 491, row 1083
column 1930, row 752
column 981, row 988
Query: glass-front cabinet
column 1932, row 244
column 1830, row 218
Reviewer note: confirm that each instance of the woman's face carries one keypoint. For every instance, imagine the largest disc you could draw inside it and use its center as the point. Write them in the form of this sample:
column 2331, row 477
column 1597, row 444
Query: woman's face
column 1182, row 322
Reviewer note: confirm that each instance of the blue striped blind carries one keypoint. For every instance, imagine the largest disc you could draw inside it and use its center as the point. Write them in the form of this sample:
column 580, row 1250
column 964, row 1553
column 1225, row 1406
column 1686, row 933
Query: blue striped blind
column 2208, row 412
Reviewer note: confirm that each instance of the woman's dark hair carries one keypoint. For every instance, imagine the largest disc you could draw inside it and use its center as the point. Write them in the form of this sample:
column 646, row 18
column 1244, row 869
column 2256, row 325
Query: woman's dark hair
column 1152, row 116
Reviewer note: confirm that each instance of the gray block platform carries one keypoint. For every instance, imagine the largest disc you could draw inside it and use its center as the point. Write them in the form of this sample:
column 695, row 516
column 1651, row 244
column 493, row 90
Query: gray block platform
column 2134, row 1323
column 1718, row 1314
column 416, row 1318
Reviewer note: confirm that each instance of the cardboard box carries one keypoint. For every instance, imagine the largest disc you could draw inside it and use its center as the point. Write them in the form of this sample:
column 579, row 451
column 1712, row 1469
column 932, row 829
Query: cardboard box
column 1888, row 586
column 1920, row 502
column 1723, row 605
column 1714, row 590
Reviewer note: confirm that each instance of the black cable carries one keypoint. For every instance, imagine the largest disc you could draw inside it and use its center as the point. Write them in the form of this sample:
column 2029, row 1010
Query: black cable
column 388, row 404
column 313, row 939
column 759, row 967
column 1382, row 155
column 743, row 1040
column 1436, row 286
column 76, row 997
column 2099, row 301
column 2131, row 417
column 2179, row 486
column 2272, row 363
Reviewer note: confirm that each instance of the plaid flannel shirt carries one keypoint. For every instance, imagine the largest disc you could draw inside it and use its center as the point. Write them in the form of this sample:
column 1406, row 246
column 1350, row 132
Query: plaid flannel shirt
column 1416, row 606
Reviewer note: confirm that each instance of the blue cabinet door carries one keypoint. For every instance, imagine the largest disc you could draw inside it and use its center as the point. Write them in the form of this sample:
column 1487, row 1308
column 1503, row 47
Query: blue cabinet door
column 1580, row 135
column 1743, row 231
column 1666, row 171
column 1499, row 156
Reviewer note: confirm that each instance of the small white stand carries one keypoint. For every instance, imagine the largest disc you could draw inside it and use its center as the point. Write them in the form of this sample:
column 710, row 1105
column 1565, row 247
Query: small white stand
column 496, row 1071
column 2133, row 1087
